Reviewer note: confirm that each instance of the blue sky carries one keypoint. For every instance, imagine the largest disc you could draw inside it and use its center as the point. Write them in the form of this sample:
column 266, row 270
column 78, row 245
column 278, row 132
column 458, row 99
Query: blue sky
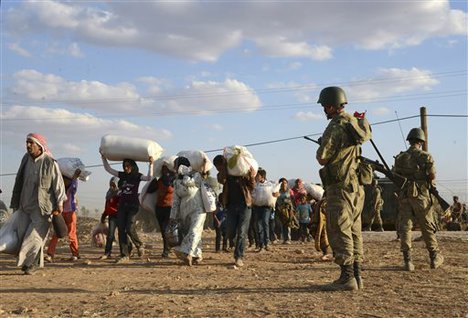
column 204, row 75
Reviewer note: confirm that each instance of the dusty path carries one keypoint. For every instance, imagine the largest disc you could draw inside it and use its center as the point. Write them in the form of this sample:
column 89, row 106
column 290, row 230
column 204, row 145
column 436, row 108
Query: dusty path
column 285, row 282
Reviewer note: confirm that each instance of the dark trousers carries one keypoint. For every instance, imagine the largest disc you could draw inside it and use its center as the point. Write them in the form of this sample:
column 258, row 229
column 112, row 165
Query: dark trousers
column 238, row 220
column 262, row 215
column 220, row 235
column 304, row 231
column 162, row 216
column 126, row 223
column 272, row 225
column 113, row 222
column 253, row 230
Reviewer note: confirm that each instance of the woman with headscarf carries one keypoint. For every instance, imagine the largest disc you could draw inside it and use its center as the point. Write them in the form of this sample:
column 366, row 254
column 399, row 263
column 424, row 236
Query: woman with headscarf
column 128, row 204
column 188, row 211
column 110, row 211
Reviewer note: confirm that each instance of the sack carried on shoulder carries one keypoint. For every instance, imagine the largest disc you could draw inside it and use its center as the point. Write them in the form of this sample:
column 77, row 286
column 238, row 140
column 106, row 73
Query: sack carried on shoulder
column 208, row 197
column 60, row 227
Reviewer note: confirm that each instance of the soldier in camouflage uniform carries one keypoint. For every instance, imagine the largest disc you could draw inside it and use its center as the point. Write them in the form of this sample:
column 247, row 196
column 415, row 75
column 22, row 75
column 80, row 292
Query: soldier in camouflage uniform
column 339, row 153
column 376, row 204
column 415, row 202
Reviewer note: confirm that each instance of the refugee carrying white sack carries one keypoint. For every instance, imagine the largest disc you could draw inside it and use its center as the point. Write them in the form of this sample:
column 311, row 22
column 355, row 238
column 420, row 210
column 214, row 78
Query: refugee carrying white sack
column 9, row 240
column 68, row 167
column 118, row 148
column 239, row 160
column 199, row 161
column 262, row 194
column 163, row 161
column 314, row 190
column 148, row 200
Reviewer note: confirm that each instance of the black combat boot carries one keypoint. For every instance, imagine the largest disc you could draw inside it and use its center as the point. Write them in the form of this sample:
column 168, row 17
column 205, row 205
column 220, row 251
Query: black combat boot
column 357, row 275
column 409, row 266
column 436, row 259
column 346, row 281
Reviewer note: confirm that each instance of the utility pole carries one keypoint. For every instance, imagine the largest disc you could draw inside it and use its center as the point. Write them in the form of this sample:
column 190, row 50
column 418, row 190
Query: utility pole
column 423, row 115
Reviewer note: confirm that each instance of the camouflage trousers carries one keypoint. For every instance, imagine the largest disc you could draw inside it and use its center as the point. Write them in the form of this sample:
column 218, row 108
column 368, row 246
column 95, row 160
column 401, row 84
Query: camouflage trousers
column 344, row 207
column 417, row 209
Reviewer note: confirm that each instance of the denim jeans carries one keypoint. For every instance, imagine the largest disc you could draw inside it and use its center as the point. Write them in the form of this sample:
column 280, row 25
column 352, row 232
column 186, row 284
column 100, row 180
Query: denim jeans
column 263, row 224
column 237, row 222
column 126, row 222
column 111, row 235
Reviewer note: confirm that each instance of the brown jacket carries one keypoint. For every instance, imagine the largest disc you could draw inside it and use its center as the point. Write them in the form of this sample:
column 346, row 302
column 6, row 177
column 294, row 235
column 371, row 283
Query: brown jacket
column 247, row 184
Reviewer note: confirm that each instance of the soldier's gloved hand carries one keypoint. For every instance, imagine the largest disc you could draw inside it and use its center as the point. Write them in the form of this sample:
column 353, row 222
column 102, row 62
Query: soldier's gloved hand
column 319, row 140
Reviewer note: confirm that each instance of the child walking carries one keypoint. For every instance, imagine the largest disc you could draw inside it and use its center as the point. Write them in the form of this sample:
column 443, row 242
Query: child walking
column 110, row 211
column 304, row 211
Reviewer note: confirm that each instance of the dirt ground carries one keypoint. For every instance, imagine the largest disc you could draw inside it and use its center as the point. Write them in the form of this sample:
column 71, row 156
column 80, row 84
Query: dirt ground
column 284, row 282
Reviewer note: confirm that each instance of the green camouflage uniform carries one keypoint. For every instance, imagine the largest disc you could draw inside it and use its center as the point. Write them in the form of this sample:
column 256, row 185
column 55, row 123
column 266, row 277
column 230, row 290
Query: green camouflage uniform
column 344, row 194
column 414, row 199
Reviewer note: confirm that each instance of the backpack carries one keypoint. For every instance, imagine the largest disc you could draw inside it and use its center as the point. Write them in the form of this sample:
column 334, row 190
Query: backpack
column 406, row 164
column 359, row 128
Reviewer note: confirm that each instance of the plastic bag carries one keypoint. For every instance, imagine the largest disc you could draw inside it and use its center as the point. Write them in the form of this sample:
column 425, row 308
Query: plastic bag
column 148, row 200
column 208, row 197
column 163, row 161
column 118, row 148
column 263, row 194
column 314, row 190
column 99, row 234
column 68, row 167
column 239, row 160
column 199, row 161
column 9, row 241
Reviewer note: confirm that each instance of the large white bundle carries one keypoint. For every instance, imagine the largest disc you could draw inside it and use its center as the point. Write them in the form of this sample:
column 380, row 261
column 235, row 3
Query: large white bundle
column 199, row 161
column 68, row 167
column 163, row 161
column 239, row 160
column 314, row 190
column 263, row 193
column 148, row 200
column 118, row 148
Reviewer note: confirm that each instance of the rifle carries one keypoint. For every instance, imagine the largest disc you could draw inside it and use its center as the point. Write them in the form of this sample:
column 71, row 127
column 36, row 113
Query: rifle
column 397, row 179
column 443, row 204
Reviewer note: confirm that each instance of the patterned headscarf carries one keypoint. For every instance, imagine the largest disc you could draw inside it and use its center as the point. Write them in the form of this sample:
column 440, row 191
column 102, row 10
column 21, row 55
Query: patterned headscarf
column 41, row 141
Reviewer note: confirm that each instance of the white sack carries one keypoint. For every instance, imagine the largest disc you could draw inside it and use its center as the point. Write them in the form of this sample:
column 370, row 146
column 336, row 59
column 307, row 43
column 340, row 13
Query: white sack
column 314, row 190
column 239, row 160
column 199, row 161
column 68, row 167
column 118, row 148
column 9, row 241
column 148, row 200
column 263, row 194
column 158, row 164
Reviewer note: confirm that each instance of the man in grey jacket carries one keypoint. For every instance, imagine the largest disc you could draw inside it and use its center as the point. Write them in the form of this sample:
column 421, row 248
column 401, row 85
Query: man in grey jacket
column 38, row 193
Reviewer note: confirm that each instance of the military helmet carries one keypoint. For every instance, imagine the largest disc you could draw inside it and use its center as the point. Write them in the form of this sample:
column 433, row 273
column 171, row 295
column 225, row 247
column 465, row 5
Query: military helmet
column 417, row 134
column 332, row 96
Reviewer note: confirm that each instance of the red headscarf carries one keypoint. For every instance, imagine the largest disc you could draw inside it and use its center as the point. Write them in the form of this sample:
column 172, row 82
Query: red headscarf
column 41, row 141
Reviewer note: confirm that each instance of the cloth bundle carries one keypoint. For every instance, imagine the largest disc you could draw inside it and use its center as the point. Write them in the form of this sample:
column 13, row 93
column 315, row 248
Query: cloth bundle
column 239, row 160
column 118, row 148
column 263, row 193
column 199, row 161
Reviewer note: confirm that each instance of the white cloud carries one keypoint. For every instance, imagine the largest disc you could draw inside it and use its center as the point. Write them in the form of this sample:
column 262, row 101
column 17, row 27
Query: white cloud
column 215, row 127
column 380, row 111
column 205, row 31
column 75, row 51
column 199, row 97
column 15, row 47
column 293, row 66
column 390, row 82
column 61, row 126
column 50, row 88
column 306, row 116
